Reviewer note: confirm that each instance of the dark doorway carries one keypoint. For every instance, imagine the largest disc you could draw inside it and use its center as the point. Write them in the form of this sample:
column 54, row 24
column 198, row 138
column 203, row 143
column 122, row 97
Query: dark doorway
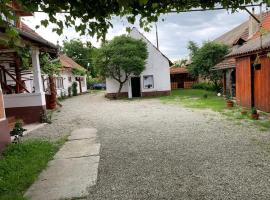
column 136, row 86
column 233, row 83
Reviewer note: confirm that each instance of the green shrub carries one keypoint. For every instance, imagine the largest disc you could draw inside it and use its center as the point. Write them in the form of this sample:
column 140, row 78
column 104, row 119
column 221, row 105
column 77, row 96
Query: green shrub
column 207, row 86
column 74, row 88
column 205, row 96
column 254, row 111
column 46, row 117
column 69, row 91
column 17, row 131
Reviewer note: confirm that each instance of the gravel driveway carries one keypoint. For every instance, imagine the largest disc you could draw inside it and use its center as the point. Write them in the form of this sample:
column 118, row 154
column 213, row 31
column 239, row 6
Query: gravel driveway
column 151, row 150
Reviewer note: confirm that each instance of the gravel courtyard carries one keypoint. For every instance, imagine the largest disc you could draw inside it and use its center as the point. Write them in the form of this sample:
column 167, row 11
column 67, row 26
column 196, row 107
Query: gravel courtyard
column 151, row 150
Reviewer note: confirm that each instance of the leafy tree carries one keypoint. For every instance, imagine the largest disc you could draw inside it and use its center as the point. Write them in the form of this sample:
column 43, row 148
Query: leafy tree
column 81, row 53
column 93, row 17
column 205, row 58
column 78, row 72
column 180, row 63
column 121, row 57
column 192, row 47
column 51, row 67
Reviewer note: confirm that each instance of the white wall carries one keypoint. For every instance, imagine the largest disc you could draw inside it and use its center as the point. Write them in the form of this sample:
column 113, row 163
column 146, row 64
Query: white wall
column 66, row 83
column 157, row 65
column 24, row 100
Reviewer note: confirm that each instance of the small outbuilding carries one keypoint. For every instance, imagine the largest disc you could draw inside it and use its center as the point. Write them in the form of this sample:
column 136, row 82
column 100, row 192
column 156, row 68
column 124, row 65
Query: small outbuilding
column 180, row 78
column 253, row 73
column 153, row 81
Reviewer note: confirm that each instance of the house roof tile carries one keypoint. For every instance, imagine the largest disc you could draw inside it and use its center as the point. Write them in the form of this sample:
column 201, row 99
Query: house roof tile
column 226, row 64
column 252, row 46
column 178, row 70
column 26, row 32
column 67, row 62
column 233, row 35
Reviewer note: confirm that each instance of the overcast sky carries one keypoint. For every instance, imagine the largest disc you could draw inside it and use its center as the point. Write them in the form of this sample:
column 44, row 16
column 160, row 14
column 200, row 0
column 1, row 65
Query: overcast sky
column 174, row 32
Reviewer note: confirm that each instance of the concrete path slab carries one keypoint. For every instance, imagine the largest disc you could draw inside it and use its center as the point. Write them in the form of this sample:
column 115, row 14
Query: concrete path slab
column 65, row 179
column 73, row 170
column 83, row 133
column 78, row 148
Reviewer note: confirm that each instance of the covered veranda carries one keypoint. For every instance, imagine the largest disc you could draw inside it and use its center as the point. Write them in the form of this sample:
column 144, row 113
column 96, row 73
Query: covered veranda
column 20, row 103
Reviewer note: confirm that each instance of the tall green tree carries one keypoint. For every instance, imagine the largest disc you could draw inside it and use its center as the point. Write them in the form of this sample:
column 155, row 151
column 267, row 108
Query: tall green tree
column 192, row 47
column 81, row 53
column 180, row 63
column 93, row 17
column 205, row 58
column 120, row 58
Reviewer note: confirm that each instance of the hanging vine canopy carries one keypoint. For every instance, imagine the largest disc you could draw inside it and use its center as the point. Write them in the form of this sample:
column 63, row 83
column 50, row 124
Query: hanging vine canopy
column 93, row 16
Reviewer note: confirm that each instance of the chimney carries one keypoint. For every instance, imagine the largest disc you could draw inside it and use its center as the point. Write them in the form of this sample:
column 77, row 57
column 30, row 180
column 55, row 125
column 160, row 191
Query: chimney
column 253, row 26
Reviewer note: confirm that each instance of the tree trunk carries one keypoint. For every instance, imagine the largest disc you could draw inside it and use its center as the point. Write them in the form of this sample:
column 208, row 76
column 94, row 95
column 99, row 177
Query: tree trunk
column 119, row 90
column 52, row 99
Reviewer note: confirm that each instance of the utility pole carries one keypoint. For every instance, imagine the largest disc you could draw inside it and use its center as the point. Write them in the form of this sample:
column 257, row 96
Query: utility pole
column 157, row 35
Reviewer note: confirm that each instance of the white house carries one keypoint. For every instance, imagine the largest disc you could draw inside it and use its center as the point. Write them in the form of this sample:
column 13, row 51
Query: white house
column 67, row 77
column 153, row 81
column 62, row 82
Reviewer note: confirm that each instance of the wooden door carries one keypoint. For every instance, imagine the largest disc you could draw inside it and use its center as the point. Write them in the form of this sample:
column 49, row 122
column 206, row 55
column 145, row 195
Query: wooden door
column 243, row 81
column 262, row 84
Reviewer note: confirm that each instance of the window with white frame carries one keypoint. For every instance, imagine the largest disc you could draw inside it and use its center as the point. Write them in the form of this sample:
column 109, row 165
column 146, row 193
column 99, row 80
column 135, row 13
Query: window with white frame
column 59, row 83
column 148, row 81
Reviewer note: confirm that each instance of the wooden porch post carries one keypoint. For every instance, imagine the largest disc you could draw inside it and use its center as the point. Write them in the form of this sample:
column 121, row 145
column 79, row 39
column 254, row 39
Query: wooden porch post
column 80, row 84
column 224, row 82
column 18, row 75
column 36, row 69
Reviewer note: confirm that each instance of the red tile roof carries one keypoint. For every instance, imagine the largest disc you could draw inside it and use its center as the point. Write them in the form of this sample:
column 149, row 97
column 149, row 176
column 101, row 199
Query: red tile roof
column 252, row 45
column 27, row 29
column 226, row 64
column 265, row 24
column 28, row 33
column 67, row 62
column 178, row 70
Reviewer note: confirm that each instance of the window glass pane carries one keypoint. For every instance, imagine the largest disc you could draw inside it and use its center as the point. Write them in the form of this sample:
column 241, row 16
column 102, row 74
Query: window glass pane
column 148, row 82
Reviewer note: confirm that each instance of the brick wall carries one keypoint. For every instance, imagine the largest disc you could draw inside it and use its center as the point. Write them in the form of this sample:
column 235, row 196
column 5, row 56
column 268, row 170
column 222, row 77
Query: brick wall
column 2, row 109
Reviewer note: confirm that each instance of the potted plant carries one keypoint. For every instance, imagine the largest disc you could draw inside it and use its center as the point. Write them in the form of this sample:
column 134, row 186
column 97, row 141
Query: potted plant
column 254, row 114
column 229, row 100
column 17, row 131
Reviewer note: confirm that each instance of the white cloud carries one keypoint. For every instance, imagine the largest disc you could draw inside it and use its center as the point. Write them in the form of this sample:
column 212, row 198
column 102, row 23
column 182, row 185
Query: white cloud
column 174, row 32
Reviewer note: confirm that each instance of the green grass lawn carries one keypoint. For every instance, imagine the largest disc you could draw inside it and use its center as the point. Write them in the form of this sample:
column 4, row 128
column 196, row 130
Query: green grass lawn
column 201, row 99
column 195, row 98
column 21, row 164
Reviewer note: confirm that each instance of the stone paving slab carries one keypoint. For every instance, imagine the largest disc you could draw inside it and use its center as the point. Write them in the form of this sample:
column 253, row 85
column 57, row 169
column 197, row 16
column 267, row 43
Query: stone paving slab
column 83, row 133
column 65, row 179
column 78, row 148
column 73, row 170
